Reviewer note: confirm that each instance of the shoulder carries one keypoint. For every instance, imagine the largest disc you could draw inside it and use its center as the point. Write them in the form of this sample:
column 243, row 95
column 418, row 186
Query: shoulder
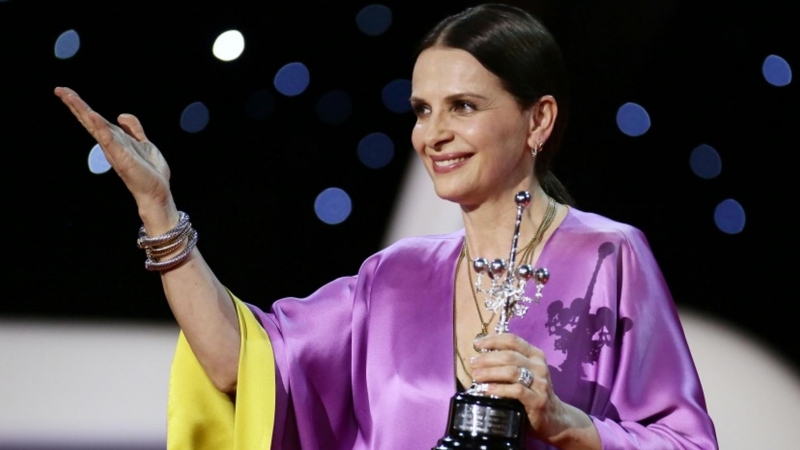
column 590, row 232
column 579, row 221
column 595, row 225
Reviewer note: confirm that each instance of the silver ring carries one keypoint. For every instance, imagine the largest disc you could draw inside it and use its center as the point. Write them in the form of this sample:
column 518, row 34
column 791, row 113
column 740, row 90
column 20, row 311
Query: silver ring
column 525, row 377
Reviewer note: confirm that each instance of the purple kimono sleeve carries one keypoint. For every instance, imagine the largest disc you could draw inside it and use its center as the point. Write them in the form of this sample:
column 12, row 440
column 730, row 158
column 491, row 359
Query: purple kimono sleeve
column 655, row 390
column 312, row 341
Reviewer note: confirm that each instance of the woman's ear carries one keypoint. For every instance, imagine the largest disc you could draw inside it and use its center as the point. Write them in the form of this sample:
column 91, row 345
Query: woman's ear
column 543, row 115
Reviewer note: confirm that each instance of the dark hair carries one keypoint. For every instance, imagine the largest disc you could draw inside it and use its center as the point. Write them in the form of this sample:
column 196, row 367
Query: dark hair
column 521, row 52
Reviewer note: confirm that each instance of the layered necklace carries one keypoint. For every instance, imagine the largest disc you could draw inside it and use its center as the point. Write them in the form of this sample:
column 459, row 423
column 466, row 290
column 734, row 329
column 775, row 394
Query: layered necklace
column 526, row 255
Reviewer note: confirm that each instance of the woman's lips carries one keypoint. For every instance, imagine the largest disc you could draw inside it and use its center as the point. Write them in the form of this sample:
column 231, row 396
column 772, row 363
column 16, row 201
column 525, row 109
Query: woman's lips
column 449, row 163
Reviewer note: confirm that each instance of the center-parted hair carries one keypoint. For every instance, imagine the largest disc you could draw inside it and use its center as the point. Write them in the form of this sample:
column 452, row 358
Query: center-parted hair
column 521, row 52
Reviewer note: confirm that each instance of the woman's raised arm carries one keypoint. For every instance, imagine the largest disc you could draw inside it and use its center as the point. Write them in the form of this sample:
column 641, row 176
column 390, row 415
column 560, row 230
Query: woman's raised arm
column 199, row 302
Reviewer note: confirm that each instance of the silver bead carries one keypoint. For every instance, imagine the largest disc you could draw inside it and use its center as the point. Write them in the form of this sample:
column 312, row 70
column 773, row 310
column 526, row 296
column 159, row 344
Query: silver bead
column 480, row 265
column 525, row 272
column 541, row 275
column 523, row 198
column 497, row 268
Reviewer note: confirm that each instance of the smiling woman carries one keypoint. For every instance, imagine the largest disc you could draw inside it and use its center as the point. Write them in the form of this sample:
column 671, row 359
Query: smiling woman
column 470, row 132
column 372, row 360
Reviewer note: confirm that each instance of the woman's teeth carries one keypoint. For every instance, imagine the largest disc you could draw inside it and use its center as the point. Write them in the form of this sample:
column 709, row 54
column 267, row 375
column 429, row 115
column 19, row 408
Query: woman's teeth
column 450, row 162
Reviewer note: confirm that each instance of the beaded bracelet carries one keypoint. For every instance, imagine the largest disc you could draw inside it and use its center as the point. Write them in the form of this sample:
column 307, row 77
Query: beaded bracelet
column 168, row 242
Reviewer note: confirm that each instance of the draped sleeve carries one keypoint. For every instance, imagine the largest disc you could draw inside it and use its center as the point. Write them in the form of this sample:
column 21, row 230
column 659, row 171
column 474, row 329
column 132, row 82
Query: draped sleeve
column 366, row 362
column 312, row 340
column 295, row 358
column 657, row 399
column 199, row 417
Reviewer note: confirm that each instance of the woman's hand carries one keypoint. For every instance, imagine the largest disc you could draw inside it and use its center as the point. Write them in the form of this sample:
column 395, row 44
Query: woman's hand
column 135, row 159
column 552, row 420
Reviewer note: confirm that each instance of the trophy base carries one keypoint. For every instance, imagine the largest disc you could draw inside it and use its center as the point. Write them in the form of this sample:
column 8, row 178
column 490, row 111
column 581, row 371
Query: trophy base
column 484, row 423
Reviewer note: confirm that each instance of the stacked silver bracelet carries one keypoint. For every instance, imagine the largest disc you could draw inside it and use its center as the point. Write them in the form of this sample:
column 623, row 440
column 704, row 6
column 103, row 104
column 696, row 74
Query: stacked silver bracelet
column 167, row 243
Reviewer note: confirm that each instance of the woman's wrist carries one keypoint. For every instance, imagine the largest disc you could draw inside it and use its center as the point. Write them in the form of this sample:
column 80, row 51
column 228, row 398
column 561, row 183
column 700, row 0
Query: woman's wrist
column 577, row 430
column 159, row 217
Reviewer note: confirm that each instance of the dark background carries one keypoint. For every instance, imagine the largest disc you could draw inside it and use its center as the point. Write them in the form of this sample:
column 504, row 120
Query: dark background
column 249, row 185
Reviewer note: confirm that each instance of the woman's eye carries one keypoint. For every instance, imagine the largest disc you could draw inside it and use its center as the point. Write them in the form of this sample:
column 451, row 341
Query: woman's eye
column 464, row 107
column 421, row 110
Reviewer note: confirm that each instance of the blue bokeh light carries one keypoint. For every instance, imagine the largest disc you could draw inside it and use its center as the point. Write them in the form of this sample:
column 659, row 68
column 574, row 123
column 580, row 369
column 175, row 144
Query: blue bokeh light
column 375, row 150
column 333, row 206
column 67, row 44
column 260, row 104
column 395, row 96
column 97, row 160
column 292, row 79
column 194, row 117
column 374, row 20
column 633, row 120
column 776, row 71
column 705, row 161
column 334, row 107
column 729, row 216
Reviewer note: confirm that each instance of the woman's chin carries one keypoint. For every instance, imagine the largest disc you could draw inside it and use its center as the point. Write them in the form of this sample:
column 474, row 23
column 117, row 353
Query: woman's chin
column 452, row 194
column 445, row 191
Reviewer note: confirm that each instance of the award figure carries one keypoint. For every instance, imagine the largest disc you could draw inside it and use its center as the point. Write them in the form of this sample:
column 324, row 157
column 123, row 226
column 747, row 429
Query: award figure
column 484, row 422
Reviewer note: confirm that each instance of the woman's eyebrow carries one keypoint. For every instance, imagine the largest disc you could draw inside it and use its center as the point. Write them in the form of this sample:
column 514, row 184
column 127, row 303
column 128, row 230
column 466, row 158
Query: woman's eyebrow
column 451, row 97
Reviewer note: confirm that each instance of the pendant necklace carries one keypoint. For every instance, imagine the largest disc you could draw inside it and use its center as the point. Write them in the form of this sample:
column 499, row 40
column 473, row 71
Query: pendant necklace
column 526, row 255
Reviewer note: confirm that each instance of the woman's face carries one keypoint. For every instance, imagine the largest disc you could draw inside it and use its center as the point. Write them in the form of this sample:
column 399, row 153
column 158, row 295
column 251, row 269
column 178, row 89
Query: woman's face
column 471, row 134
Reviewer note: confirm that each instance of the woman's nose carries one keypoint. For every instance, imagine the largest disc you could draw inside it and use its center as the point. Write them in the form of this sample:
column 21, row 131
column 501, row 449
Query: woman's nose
column 438, row 131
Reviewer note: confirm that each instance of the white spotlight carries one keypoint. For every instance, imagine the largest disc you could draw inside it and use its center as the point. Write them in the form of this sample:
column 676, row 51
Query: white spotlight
column 229, row 45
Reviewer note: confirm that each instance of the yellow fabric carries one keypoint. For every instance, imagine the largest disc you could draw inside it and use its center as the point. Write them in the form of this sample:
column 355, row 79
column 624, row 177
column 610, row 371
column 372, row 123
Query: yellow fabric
column 199, row 417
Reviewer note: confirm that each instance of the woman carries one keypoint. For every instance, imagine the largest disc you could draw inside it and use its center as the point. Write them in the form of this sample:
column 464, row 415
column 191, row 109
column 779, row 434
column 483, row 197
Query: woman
column 371, row 361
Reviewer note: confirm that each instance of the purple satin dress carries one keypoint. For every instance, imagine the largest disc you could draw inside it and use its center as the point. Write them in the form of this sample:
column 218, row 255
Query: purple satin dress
column 366, row 362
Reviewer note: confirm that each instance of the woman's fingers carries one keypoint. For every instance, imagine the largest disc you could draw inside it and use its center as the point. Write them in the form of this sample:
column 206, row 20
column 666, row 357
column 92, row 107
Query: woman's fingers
column 77, row 106
column 506, row 354
column 132, row 126
column 509, row 341
column 105, row 137
column 63, row 91
column 68, row 100
column 526, row 395
column 135, row 159
column 496, row 374
column 103, row 134
column 499, row 358
column 101, row 130
column 500, row 369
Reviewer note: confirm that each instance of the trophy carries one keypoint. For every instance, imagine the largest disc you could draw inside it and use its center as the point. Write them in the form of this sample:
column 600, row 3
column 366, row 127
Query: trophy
column 485, row 422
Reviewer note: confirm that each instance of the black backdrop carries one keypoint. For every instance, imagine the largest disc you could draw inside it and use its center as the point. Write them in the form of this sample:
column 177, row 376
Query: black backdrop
column 249, row 185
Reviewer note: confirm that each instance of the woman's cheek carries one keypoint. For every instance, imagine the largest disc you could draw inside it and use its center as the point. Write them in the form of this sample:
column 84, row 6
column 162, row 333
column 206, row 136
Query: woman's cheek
column 416, row 139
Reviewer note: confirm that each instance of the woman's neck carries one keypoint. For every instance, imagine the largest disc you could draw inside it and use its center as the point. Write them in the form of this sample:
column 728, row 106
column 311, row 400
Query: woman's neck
column 490, row 226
